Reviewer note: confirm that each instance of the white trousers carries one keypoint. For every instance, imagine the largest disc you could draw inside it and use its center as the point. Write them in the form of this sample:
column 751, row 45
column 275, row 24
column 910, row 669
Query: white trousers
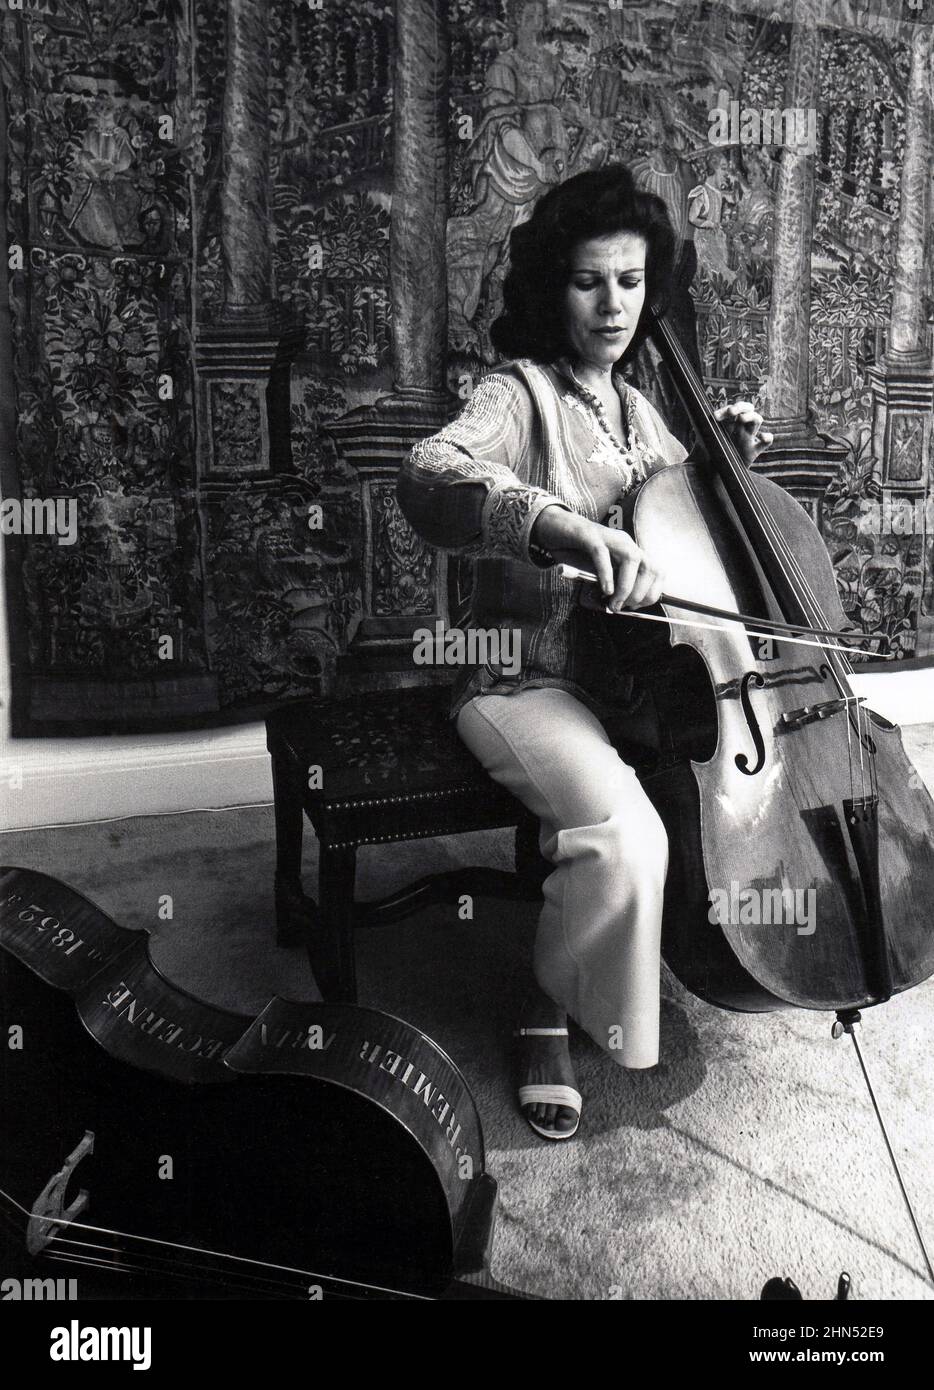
column 597, row 949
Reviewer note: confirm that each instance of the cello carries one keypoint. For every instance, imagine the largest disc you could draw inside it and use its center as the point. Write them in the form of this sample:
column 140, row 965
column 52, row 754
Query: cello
column 771, row 776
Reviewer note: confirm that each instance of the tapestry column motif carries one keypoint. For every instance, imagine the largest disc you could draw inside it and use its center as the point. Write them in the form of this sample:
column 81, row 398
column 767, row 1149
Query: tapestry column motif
column 244, row 195
column 243, row 353
column 374, row 439
column 800, row 459
column 903, row 383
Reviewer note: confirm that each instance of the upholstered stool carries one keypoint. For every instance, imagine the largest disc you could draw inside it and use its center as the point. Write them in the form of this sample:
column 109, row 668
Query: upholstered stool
column 375, row 768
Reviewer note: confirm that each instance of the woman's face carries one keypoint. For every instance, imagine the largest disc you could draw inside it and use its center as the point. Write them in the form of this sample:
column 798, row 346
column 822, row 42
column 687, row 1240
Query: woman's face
column 604, row 297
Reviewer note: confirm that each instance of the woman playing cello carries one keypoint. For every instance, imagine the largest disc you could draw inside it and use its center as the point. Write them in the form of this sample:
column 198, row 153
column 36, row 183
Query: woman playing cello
column 547, row 445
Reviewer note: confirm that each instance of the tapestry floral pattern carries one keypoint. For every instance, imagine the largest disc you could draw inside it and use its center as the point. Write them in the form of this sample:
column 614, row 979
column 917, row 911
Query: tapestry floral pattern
column 97, row 200
column 114, row 176
column 580, row 89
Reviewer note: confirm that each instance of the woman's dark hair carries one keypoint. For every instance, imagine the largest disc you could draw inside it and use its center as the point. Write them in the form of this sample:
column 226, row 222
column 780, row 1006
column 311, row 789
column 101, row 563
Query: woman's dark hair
column 596, row 203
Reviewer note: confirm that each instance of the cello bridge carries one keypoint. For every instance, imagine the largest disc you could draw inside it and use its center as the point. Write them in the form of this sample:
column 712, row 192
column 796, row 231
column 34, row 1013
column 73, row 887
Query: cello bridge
column 809, row 714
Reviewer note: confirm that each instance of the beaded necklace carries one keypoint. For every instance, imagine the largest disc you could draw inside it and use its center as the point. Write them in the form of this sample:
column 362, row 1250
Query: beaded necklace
column 635, row 462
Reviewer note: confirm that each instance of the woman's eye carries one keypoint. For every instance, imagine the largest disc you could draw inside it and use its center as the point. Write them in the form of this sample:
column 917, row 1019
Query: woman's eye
column 628, row 284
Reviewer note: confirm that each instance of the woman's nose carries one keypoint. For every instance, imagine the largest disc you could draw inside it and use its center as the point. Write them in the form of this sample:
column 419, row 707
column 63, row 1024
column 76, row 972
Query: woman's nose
column 611, row 301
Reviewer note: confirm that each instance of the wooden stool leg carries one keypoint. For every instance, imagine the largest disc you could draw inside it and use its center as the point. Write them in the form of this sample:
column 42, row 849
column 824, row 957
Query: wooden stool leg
column 331, row 945
column 288, row 789
column 531, row 865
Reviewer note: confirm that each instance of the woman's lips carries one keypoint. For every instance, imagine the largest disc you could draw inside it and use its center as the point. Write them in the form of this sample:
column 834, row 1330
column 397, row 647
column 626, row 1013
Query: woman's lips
column 610, row 332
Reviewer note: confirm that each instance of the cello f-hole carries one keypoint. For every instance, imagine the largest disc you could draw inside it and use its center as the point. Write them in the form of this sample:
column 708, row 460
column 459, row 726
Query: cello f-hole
column 742, row 762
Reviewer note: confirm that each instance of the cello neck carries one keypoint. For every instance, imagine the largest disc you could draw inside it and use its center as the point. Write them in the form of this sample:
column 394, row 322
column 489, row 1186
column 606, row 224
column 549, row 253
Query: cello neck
column 752, row 514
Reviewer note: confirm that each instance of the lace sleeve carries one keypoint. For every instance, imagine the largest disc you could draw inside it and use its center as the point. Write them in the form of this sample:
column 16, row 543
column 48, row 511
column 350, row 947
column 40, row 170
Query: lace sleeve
column 464, row 489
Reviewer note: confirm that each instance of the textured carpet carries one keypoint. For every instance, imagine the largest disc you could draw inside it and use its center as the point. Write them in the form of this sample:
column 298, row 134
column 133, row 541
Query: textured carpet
column 750, row 1151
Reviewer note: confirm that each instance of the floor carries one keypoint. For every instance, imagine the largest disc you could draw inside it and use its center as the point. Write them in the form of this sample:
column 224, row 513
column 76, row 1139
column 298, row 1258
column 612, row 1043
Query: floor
column 750, row 1151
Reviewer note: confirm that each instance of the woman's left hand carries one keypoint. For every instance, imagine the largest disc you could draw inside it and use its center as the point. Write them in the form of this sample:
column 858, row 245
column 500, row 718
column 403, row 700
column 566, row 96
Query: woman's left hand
column 744, row 426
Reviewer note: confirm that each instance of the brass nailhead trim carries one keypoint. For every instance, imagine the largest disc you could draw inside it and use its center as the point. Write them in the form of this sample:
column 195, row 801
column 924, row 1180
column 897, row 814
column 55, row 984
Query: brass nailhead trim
column 446, row 794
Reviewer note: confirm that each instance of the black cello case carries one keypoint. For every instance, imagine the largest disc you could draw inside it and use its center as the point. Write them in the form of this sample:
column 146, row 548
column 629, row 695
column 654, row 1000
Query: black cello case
column 155, row 1146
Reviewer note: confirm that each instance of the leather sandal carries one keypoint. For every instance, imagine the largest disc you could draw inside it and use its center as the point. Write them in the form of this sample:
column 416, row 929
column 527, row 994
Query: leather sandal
column 543, row 1094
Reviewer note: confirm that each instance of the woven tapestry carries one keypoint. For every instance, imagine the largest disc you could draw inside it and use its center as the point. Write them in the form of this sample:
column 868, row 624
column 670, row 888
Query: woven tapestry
column 254, row 251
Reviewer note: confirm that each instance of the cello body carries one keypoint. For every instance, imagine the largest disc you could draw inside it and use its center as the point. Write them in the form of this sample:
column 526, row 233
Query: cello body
column 779, row 798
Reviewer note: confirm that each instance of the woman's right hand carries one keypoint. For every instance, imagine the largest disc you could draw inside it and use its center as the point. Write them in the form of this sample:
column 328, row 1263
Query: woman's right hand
column 627, row 577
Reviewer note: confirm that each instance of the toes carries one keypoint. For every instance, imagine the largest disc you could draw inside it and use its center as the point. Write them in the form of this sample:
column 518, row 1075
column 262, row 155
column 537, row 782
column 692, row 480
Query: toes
column 560, row 1118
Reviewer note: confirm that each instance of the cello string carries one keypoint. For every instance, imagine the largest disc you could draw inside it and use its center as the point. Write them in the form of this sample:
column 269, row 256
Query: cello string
column 280, row 1289
column 873, row 772
column 811, row 605
column 849, row 750
column 201, row 1250
column 567, row 571
column 776, row 541
column 786, row 560
column 153, row 1263
column 771, row 534
column 124, row 1266
column 859, row 740
column 862, row 737
column 864, row 740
